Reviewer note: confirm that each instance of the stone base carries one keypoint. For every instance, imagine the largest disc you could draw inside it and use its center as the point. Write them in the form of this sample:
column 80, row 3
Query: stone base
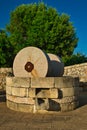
column 39, row 94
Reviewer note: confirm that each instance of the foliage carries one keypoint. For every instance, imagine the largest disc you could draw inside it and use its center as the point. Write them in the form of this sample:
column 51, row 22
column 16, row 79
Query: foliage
column 74, row 59
column 6, row 50
column 43, row 27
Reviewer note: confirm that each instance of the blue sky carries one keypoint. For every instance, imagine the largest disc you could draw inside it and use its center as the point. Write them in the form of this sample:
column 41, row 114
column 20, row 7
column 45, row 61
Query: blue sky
column 76, row 9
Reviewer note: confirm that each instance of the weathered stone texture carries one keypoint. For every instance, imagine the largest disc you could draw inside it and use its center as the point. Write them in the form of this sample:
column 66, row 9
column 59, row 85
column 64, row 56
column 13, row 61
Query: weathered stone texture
column 66, row 82
column 79, row 70
column 20, row 99
column 18, row 81
column 46, row 93
column 3, row 73
column 69, row 91
column 49, row 94
column 42, row 82
column 20, row 107
column 69, row 106
column 21, row 92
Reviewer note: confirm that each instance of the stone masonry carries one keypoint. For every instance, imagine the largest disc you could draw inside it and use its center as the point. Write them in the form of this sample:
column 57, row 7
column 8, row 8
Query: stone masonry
column 42, row 94
column 79, row 70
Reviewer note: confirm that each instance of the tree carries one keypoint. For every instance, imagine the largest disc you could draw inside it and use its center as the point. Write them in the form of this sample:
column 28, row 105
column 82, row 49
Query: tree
column 43, row 27
column 6, row 49
column 75, row 59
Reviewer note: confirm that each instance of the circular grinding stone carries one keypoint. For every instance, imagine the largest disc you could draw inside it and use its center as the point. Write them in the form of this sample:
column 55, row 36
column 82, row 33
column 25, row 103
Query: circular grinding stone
column 30, row 62
column 57, row 67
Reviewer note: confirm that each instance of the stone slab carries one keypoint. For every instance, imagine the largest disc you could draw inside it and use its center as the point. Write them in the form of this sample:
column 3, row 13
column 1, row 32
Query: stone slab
column 20, row 100
column 18, row 82
column 47, row 82
column 66, row 82
column 66, row 92
column 69, row 106
column 11, row 105
column 21, row 92
column 9, row 90
column 20, row 107
column 46, row 93
column 32, row 92
column 69, row 99
column 25, row 108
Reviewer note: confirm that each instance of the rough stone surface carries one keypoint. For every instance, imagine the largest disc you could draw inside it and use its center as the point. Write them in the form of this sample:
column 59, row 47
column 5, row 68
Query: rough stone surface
column 79, row 70
column 9, row 90
column 34, row 56
column 36, row 63
column 69, row 106
column 20, row 107
column 68, row 99
column 21, row 92
column 18, row 81
column 69, row 91
column 20, row 100
column 42, row 82
column 66, row 82
column 3, row 73
column 32, row 92
column 46, row 93
column 41, row 94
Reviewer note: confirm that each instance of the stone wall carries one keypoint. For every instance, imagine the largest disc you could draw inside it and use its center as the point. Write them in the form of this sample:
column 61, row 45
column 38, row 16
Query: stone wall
column 42, row 94
column 79, row 70
column 3, row 73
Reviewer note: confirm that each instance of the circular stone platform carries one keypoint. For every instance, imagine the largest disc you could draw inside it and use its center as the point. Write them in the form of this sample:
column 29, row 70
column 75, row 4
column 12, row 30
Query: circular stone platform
column 39, row 94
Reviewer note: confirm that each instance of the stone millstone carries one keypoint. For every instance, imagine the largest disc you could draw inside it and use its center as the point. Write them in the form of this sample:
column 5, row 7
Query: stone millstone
column 30, row 62
column 57, row 66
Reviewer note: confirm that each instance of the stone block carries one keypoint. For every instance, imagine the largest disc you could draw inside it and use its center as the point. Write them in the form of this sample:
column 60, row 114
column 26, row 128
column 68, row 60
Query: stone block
column 11, row 105
column 18, row 81
column 46, row 93
column 66, row 100
column 25, row 108
column 47, row 82
column 69, row 106
column 8, row 90
column 32, row 92
column 20, row 100
column 20, row 92
column 66, row 82
column 66, row 92
column 20, row 107
column 21, row 82
column 9, row 81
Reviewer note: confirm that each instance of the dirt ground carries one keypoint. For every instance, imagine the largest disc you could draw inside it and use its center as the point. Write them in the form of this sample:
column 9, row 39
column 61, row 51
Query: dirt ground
column 73, row 120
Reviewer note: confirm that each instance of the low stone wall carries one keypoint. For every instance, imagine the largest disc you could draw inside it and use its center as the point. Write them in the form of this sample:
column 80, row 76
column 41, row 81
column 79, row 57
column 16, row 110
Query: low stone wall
column 38, row 94
column 79, row 70
column 3, row 73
